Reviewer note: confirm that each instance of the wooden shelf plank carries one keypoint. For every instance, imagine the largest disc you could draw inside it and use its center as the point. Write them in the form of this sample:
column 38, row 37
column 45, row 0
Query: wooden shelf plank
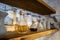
column 38, row 35
column 45, row 4
column 32, row 35
column 37, row 6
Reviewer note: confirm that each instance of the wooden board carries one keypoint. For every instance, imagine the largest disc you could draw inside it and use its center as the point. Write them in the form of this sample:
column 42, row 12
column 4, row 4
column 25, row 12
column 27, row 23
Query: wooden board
column 37, row 6
column 29, row 35
column 38, row 35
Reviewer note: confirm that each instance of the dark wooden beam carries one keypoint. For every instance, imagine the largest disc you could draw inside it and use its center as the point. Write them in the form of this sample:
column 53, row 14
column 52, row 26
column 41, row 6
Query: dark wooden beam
column 37, row 6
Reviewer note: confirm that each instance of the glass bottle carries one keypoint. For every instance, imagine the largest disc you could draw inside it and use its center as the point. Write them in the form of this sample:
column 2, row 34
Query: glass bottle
column 33, row 27
column 14, row 18
column 15, row 21
column 9, row 18
column 29, row 19
column 53, row 20
column 48, row 23
column 23, row 28
column 44, row 24
column 40, row 26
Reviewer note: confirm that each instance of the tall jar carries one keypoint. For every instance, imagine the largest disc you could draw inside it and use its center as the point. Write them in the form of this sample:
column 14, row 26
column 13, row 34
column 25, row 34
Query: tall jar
column 23, row 28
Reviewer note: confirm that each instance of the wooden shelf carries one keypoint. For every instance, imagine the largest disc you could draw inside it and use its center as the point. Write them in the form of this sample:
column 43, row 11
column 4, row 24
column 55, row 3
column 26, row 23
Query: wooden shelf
column 32, row 35
column 37, row 6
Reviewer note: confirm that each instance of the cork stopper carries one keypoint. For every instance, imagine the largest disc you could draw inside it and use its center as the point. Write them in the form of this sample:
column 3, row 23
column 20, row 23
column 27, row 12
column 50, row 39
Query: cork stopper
column 21, row 12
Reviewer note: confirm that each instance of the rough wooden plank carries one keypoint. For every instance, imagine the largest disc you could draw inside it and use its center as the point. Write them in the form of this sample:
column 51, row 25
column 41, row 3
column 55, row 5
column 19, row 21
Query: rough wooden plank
column 39, row 6
column 38, row 35
column 30, row 35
